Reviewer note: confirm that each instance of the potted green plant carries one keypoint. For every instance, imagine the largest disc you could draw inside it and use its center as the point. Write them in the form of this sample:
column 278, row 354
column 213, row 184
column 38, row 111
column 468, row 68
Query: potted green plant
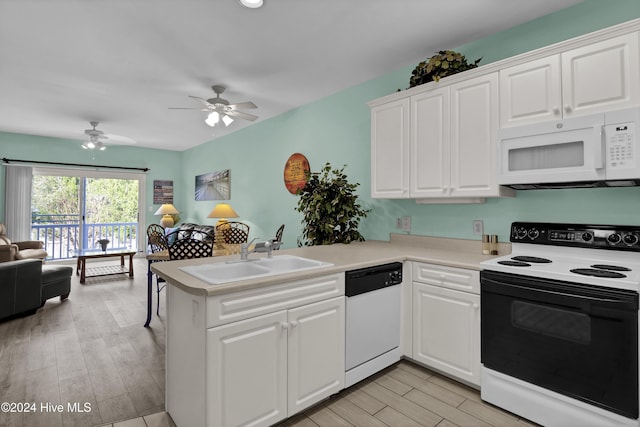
column 331, row 208
column 444, row 63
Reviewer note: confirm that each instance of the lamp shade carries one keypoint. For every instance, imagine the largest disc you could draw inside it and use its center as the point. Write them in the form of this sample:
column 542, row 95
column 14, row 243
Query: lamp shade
column 166, row 211
column 222, row 210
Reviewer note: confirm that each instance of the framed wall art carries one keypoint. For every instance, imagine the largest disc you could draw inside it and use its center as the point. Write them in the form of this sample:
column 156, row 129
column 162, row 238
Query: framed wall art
column 162, row 192
column 213, row 186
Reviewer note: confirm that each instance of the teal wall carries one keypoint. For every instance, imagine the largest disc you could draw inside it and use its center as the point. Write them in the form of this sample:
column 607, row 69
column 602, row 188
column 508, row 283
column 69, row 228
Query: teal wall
column 336, row 129
column 163, row 164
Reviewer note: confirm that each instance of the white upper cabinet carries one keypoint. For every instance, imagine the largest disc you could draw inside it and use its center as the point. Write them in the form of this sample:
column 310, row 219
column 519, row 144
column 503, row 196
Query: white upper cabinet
column 429, row 148
column 590, row 79
column 531, row 92
column 474, row 134
column 390, row 150
column 438, row 144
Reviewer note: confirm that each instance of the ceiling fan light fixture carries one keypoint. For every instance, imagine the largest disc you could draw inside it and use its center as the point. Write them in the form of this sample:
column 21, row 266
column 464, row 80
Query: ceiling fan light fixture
column 100, row 146
column 91, row 144
column 251, row 4
column 227, row 120
column 213, row 119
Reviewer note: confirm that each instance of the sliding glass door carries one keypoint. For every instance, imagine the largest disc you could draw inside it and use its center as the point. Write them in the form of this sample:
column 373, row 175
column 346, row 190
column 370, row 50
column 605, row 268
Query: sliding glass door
column 73, row 209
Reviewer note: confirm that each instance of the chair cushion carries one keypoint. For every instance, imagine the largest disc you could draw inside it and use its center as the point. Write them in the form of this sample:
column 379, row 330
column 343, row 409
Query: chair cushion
column 185, row 231
column 53, row 273
column 31, row 254
column 170, row 234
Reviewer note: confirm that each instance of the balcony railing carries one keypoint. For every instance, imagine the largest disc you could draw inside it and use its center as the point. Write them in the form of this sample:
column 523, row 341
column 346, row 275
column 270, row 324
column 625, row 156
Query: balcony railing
column 62, row 236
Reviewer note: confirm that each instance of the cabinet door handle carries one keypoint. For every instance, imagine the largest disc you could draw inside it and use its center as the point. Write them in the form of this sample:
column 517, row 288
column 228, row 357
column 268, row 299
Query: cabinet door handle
column 284, row 325
column 555, row 110
column 475, row 306
column 293, row 323
column 567, row 108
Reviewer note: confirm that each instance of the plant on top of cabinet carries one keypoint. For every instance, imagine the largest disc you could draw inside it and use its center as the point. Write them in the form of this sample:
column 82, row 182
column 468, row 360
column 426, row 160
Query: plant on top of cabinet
column 445, row 63
column 331, row 209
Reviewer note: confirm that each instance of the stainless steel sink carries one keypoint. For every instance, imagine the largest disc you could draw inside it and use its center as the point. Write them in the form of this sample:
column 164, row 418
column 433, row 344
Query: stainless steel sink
column 225, row 272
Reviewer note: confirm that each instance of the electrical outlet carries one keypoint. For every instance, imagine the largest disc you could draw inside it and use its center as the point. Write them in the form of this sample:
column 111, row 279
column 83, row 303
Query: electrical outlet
column 478, row 227
column 404, row 223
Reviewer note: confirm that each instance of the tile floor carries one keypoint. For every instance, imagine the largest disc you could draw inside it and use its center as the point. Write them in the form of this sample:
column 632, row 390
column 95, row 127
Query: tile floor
column 402, row 395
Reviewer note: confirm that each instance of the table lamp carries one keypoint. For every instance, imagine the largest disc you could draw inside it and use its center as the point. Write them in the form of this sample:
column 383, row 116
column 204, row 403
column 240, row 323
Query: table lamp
column 221, row 211
column 166, row 211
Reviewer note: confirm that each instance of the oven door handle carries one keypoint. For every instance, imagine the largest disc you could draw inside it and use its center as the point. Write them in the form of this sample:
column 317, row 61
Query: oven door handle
column 565, row 294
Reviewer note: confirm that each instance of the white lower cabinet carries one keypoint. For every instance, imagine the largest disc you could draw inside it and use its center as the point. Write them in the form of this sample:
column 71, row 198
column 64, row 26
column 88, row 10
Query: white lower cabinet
column 315, row 353
column 265, row 369
column 446, row 320
column 247, row 372
column 257, row 356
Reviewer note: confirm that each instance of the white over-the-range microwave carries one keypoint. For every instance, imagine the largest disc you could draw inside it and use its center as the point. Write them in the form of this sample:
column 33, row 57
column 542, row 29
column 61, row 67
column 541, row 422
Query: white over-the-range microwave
column 599, row 150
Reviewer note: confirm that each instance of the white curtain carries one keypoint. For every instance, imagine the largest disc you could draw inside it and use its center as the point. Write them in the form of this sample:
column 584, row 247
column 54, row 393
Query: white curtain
column 17, row 202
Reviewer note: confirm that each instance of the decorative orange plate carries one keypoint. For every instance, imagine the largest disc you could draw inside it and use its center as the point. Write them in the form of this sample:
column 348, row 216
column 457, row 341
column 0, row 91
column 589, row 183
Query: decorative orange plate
column 295, row 172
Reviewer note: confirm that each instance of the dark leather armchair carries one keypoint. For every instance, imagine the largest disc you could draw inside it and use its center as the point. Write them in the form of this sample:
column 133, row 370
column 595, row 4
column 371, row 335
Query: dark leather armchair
column 20, row 287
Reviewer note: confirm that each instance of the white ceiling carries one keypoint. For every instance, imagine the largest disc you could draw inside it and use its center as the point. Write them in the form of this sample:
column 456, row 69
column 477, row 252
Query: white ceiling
column 125, row 62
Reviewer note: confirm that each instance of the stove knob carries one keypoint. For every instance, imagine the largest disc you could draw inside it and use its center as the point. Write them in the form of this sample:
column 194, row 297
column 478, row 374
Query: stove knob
column 533, row 233
column 587, row 237
column 614, row 238
column 520, row 233
column 630, row 239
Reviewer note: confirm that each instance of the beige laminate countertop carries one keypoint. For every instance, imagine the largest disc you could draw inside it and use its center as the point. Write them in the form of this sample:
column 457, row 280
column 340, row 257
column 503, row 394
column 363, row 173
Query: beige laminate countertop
column 442, row 251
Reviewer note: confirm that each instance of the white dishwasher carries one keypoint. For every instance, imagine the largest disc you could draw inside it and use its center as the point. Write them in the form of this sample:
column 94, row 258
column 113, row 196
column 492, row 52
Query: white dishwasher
column 372, row 320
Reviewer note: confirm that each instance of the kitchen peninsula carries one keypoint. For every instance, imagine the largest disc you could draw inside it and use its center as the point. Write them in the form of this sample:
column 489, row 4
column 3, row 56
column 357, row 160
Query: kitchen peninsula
column 260, row 350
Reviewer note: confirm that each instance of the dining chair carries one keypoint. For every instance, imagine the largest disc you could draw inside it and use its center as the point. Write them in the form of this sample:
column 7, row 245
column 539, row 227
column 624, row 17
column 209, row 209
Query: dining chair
column 190, row 248
column 233, row 232
column 158, row 242
column 156, row 238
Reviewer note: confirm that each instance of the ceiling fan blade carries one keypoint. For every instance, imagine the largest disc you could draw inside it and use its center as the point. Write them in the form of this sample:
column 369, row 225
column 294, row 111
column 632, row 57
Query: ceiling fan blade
column 197, row 98
column 242, row 105
column 119, row 140
column 240, row 114
column 188, row 108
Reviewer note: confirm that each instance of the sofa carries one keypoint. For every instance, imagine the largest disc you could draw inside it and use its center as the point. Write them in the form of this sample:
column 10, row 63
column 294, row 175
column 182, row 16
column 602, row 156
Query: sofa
column 185, row 230
column 25, row 286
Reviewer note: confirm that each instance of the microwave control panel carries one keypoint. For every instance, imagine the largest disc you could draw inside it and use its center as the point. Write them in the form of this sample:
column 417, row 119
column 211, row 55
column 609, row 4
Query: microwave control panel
column 620, row 151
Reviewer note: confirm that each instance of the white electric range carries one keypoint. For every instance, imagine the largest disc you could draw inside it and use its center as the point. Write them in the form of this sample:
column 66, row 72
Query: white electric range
column 559, row 322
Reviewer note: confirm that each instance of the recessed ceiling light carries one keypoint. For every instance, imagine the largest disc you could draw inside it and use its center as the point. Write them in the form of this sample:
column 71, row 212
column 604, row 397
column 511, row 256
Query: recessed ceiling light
column 252, row 4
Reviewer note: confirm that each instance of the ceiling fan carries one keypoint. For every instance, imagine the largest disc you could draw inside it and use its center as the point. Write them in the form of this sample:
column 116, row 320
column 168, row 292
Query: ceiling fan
column 219, row 109
column 97, row 138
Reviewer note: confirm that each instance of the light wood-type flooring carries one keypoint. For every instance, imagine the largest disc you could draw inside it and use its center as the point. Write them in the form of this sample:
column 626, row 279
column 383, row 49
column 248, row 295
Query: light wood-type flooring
column 93, row 349
column 90, row 349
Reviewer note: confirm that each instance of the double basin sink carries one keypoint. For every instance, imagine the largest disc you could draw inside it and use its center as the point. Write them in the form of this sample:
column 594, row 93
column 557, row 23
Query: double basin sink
column 233, row 271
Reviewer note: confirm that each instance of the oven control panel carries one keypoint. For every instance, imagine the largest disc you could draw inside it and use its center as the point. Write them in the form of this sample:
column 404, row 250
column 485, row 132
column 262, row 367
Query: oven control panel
column 617, row 237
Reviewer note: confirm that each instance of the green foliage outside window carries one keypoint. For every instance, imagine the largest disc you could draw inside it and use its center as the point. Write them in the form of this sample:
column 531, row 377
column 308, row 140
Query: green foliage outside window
column 108, row 200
